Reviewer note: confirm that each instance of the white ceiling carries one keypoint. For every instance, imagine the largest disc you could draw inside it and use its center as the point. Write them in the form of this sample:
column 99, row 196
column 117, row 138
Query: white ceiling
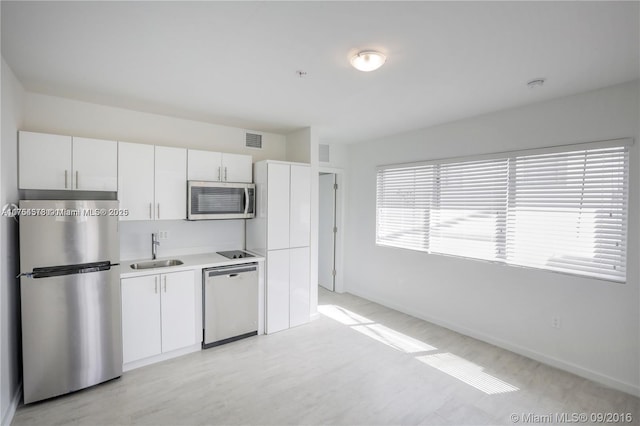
column 235, row 63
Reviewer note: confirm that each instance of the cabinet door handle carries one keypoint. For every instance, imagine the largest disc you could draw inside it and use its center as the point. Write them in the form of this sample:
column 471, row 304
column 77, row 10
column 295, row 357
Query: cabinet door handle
column 76, row 179
column 158, row 211
column 219, row 173
column 150, row 212
column 225, row 173
column 66, row 178
column 165, row 283
column 155, row 280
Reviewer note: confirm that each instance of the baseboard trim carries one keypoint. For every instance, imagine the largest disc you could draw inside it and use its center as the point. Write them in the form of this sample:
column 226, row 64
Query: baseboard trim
column 161, row 357
column 314, row 316
column 13, row 406
column 520, row 350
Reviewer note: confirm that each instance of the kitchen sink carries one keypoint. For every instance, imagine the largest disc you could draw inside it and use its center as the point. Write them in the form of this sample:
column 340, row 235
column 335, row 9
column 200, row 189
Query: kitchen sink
column 156, row 264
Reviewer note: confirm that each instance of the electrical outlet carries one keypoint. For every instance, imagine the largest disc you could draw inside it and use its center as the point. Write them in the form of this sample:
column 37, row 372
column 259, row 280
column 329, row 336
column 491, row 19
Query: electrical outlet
column 556, row 323
column 163, row 235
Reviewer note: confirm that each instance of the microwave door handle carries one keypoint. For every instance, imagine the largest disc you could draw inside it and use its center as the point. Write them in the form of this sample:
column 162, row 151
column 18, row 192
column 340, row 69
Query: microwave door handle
column 246, row 200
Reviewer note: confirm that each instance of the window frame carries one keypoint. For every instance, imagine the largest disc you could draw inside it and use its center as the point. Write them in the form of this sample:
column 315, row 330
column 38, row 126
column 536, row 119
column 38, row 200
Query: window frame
column 625, row 143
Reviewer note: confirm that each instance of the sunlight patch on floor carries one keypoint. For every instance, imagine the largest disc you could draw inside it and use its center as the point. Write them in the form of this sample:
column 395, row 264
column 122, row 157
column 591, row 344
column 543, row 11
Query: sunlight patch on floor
column 343, row 315
column 453, row 365
column 467, row 372
column 376, row 331
column 392, row 338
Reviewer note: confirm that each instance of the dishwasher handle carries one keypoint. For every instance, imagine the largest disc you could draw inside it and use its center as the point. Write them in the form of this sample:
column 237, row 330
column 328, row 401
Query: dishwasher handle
column 232, row 270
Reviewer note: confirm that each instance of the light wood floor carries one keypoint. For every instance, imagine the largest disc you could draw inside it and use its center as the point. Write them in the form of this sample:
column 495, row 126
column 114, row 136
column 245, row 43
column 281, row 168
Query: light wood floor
column 360, row 363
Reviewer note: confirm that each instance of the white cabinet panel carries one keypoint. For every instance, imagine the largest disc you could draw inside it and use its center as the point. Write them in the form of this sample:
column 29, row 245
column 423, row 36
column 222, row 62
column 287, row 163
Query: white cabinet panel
column 300, row 206
column 158, row 314
column 44, row 161
column 62, row 162
column 237, row 168
column 204, row 165
column 277, row 300
column 299, row 289
column 178, row 319
column 135, row 180
column 141, row 337
column 170, row 183
column 95, row 164
column 216, row 166
column 278, row 206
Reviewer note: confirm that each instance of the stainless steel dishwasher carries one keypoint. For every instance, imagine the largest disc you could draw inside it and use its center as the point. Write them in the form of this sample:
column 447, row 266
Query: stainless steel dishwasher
column 230, row 303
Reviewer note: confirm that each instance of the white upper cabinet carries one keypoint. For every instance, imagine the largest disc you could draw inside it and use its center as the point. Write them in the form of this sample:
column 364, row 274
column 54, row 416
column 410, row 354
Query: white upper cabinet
column 219, row 167
column 95, row 164
column 237, row 168
column 152, row 181
column 136, row 180
column 170, row 183
column 44, row 161
column 300, row 206
column 48, row 161
column 204, row 165
column 278, row 206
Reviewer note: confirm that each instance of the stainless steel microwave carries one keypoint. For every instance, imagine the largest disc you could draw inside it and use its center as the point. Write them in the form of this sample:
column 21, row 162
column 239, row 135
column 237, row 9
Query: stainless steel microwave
column 220, row 200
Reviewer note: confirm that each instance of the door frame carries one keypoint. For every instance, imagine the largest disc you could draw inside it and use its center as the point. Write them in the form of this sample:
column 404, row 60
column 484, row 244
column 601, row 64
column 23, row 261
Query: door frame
column 338, row 285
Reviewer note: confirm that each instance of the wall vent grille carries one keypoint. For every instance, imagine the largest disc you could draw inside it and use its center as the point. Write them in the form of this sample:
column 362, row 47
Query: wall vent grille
column 253, row 140
column 324, row 153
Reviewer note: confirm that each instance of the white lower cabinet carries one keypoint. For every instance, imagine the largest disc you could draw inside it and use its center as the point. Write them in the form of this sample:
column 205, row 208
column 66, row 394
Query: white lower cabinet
column 158, row 314
column 299, row 286
column 288, row 290
column 277, row 291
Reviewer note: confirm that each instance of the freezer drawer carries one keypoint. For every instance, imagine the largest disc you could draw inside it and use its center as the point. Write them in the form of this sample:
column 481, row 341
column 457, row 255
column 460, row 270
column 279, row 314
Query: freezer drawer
column 230, row 303
column 68, row 232
column 71, row 332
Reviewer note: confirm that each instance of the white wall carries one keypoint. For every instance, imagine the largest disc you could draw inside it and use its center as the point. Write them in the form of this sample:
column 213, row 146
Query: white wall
column 52, row 114
column 10, row 343
column 508, row 306
column 298, row 149
column 338, row 156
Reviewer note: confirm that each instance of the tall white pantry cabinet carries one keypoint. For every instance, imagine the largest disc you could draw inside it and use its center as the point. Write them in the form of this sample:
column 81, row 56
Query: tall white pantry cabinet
column 281, row 232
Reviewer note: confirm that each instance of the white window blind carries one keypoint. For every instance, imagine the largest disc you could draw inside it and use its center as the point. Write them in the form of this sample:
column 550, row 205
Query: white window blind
column 404, row 203
column 468, row 213
column 562, row 209
column 568, row 212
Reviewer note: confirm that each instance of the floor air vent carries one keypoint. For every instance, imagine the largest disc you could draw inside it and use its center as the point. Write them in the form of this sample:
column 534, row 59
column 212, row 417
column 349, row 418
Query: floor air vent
column 253, row 140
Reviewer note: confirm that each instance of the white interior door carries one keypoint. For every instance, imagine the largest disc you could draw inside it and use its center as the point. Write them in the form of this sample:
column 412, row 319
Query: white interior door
column 326, row 236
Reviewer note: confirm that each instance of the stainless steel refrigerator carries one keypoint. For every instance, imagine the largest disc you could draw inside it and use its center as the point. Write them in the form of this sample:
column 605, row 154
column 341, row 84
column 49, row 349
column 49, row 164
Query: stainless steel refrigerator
column 70, row 295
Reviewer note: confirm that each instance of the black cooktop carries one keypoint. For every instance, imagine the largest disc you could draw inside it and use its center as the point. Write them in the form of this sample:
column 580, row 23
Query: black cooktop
column 235, row 254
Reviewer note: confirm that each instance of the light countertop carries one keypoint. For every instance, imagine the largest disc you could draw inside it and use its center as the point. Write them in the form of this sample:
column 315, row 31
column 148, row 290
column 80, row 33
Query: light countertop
column 192, row 261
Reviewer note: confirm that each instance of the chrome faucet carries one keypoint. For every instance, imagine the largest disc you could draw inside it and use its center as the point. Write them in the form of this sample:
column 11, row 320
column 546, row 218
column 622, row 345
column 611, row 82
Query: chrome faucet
column 154, row 245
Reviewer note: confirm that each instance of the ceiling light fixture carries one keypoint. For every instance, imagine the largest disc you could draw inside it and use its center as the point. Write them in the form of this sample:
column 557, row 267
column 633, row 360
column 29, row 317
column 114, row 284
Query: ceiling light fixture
column 368, row 60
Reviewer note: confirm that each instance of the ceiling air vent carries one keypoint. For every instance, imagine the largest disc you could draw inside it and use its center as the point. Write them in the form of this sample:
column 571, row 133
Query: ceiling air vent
column 253, row 140
column 324, row 153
